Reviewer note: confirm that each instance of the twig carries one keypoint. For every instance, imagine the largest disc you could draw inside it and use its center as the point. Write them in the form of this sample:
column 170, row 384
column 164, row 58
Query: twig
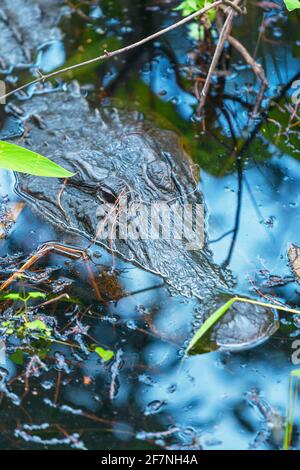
column 264, row 304
column 57, row 388
column 108, row 55
column 259, row 99
column 44, row 250
column 218, row 52
column 239, row 10
column 51, row 301
column 257, row 68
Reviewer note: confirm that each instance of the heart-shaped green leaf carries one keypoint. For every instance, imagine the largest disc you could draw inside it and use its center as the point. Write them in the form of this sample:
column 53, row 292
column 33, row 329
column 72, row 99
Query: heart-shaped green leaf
column 106, row 355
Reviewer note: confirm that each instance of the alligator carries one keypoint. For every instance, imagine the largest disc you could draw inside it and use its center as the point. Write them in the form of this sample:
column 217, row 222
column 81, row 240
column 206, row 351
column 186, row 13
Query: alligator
column 114, row 153
column 26, row 25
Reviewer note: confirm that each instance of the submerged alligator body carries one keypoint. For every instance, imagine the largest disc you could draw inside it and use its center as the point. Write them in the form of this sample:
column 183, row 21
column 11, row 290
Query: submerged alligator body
column 25, row 25
column 114, row 153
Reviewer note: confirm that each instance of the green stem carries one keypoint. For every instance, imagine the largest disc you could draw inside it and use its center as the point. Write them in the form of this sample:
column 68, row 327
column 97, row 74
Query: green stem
column 264, row 304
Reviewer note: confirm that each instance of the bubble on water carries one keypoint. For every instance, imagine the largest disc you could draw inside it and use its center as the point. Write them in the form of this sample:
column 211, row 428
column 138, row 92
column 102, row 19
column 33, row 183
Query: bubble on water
column 277, row 32
column 69, row 409
column 95, row 12
column 154, row 407
column 126, row 29
column 47, row 384
column 146, row 379
column 113, row 320
column 175, row 100
column 131, row 325
column 269, row 221
column 34, row 427
column 172, row 388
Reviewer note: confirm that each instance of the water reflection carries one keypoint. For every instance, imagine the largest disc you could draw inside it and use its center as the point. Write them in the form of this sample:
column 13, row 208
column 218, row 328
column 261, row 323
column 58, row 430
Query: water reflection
column 148, row 397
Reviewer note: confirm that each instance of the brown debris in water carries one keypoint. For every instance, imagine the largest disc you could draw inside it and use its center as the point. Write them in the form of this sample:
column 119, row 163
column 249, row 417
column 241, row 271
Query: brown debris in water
column 8, row 215
column 109, row 286
column 294, row 260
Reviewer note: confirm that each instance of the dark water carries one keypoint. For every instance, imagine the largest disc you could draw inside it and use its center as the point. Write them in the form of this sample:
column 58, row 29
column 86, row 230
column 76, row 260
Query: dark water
column 147, row 397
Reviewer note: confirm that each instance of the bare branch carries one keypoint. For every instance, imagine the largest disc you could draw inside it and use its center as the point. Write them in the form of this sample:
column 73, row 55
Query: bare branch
column 218, row 52
column 257, row 68
column 108, row 55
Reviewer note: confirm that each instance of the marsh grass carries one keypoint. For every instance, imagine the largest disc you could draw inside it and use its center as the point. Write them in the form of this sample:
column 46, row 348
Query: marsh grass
column 293, row 392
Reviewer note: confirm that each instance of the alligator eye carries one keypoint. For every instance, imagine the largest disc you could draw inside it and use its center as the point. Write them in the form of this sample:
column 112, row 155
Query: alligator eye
column 111, row 189
column 108, row 195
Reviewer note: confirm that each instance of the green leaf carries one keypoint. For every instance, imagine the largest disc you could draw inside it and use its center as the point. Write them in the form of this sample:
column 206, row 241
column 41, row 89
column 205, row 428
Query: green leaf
column 196, row 31
column 16, row 158
column 292, row 4
column 208, row 324
column 37, row 325
column 17, row 357
column 191, row 6
column 295, row 373
column 36, row 295
column 12, row 296
column 106, row 355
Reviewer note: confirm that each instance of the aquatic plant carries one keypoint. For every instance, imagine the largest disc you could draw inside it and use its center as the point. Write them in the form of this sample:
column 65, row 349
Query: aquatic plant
column 32, row 331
